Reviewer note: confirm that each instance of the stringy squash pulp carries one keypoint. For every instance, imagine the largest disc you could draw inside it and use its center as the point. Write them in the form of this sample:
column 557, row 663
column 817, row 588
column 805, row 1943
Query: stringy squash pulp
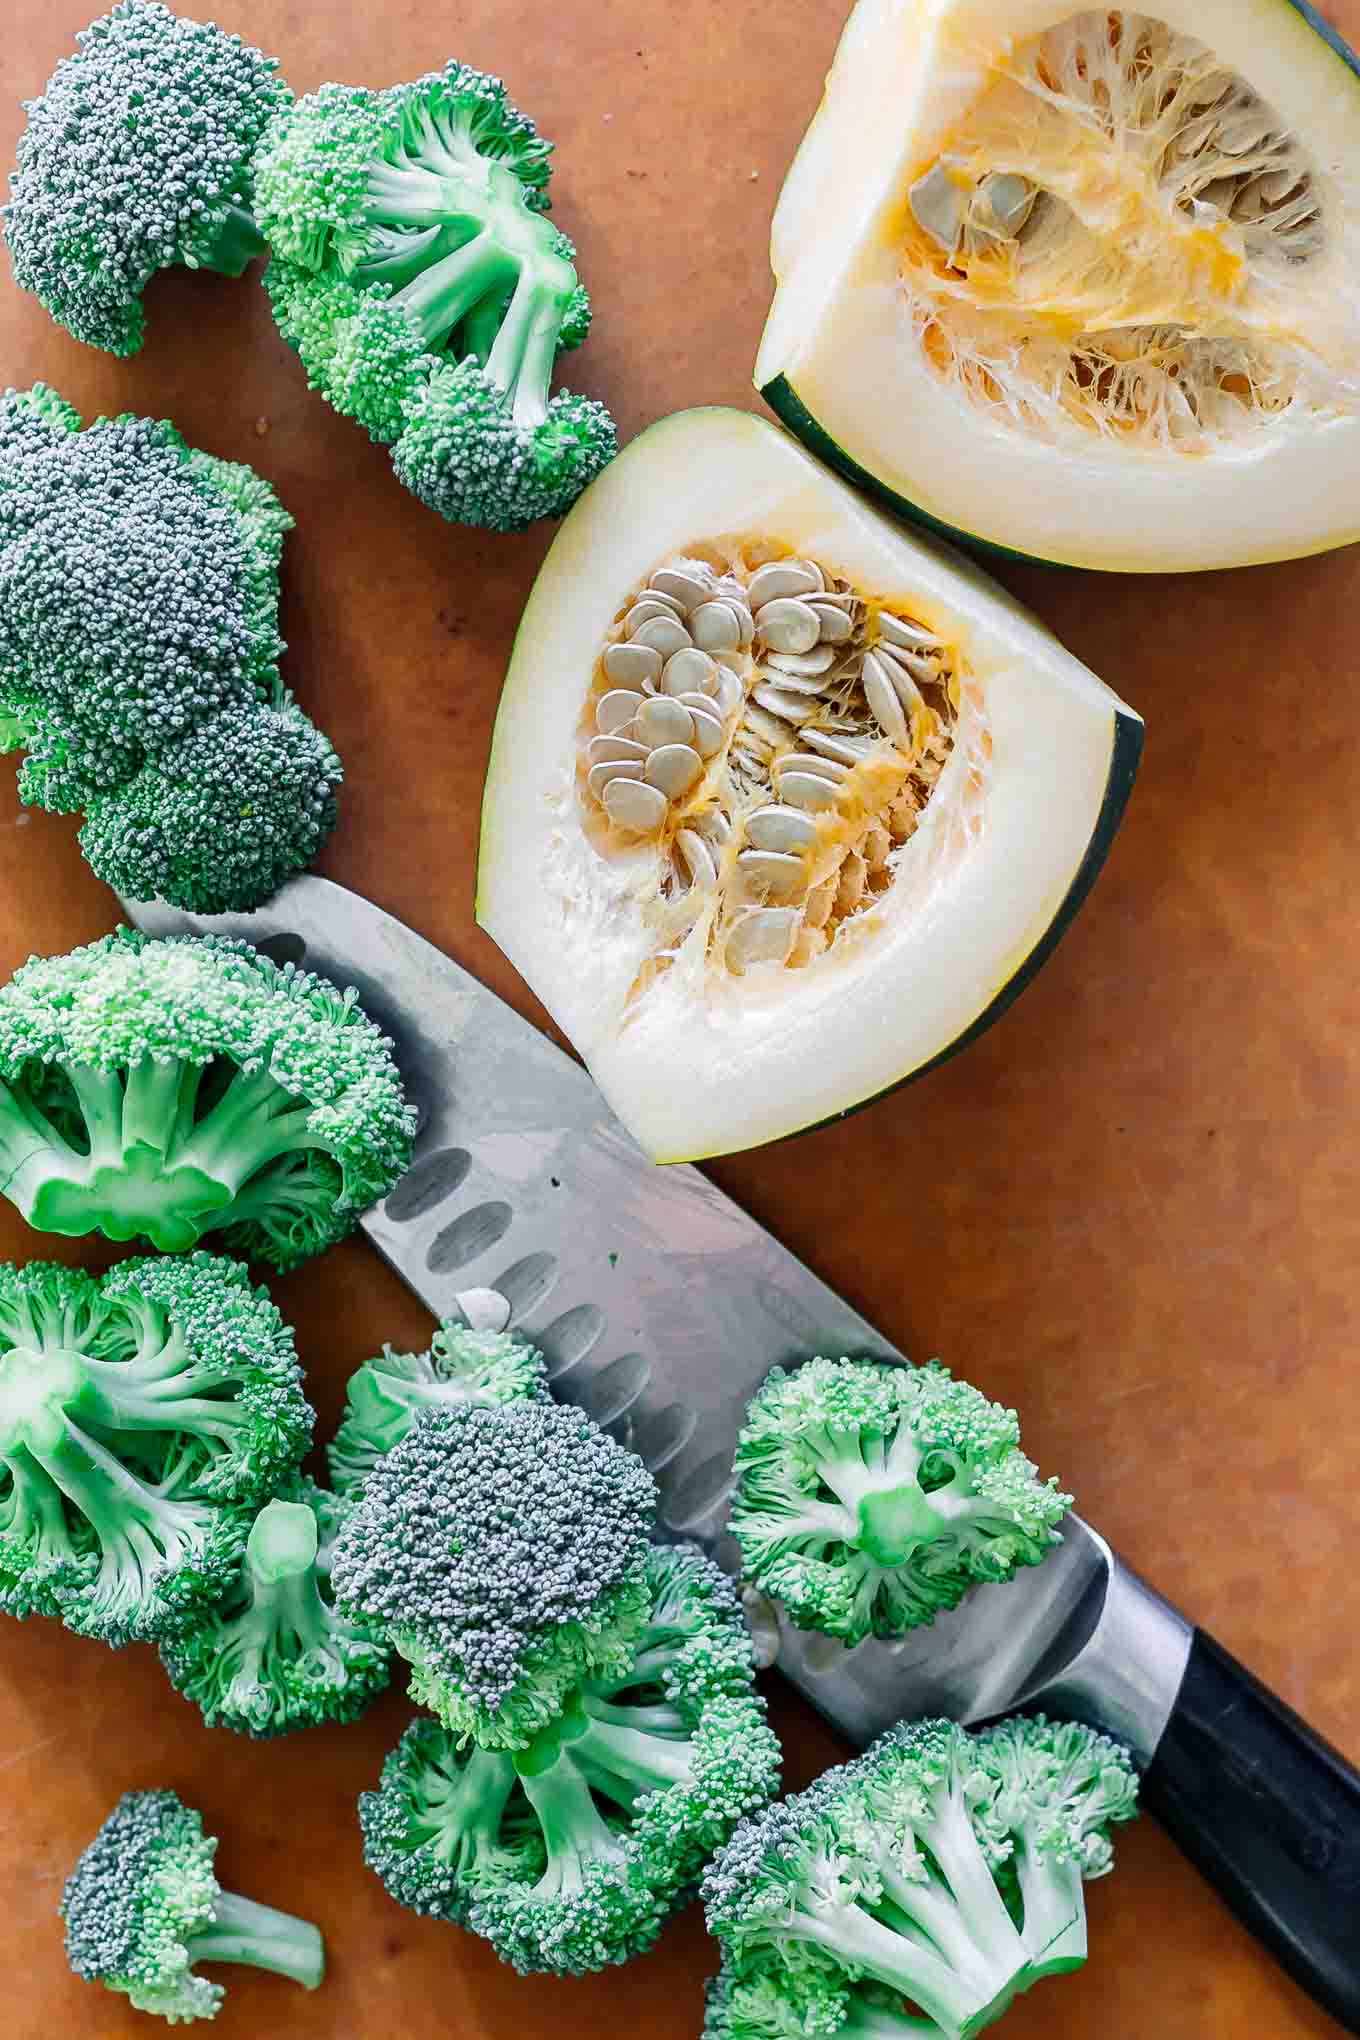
column 784, row 804
column 1082, row 285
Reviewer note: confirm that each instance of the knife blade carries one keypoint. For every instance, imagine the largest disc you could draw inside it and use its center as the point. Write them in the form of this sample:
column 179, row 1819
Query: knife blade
column 660, row 1306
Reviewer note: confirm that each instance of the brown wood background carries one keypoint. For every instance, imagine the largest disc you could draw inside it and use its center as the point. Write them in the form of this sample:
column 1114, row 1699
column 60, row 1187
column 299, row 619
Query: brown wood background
column 1133, row 1209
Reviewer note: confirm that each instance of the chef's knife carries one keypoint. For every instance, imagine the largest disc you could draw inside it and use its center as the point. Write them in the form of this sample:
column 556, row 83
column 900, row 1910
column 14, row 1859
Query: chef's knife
column 660, row 1306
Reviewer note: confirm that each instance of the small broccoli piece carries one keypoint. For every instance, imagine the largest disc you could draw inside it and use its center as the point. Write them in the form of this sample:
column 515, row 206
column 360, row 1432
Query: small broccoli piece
column 756, row 2008
column 177, row 1086
column 139, row 592
column 386, row 1395
column 503, row 1552
column 871, row 1892
column 869, row 1497
column 1045, row 1796
column 273, row 1655
column 141, row 1419
column 139, row 646
column 572, row 1854
column 136, row 158
column 142, row 1907
column 219, row 819
column 427, row 297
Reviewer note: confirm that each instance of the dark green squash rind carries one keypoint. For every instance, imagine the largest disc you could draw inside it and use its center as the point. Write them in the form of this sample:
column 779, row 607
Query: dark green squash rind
column 791, row 411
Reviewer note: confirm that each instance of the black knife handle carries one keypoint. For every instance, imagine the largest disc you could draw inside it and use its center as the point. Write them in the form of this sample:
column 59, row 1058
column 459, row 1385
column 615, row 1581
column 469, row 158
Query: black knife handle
column 1271, row 1814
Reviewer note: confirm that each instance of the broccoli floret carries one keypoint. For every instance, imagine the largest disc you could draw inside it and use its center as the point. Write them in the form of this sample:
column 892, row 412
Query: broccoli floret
column 170, row 1087
column 386, row 1395
column 141, row 1419
column 871, row 1891
column 755, row 2008
column 142, row 1907
column 869, row 1497
column 218, row 820
column 139, row 647
column 137, row 158
column 428, row 298
column 273, row 1654
column 1045, row 1796
column 503, row 1552
column 572, row 1854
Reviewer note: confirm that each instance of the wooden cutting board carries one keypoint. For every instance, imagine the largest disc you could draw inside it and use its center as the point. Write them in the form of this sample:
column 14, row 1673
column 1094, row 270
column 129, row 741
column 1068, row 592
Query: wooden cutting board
column 1133, row 1209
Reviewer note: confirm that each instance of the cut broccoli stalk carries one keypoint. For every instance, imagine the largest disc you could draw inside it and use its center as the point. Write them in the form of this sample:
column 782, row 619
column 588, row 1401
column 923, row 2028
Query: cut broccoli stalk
column 273, row 1655
column 260, row 1937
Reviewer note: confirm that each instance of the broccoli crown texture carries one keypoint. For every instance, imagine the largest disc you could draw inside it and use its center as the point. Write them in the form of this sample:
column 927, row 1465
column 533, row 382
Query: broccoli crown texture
column 142, row 1906
column 503, row 1552
column 869, row 1497
column 386, row 1395
column 1044, row 1799
column 141, row 1418
column 273, row 1654
column 219, row 819
column 136, row 158
column 571, row 1854
column 871, row 1891
column 425, row 293
column 139, row 641
column 170, row 1087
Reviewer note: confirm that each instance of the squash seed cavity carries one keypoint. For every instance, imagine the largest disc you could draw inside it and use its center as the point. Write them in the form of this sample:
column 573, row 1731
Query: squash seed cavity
column 1119, row 235
column 778, row 735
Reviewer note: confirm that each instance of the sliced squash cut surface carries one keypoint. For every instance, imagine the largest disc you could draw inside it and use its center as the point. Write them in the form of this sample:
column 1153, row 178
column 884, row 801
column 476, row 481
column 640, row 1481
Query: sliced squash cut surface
column 784, row 804
column 1082, row 285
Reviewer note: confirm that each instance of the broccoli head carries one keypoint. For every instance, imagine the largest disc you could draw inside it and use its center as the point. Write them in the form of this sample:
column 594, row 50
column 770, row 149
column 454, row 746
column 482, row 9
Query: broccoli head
column 427, row 296
column 503, row 1552
column 273, row 1655
column 571, row 1854
column 219, row 819
column 141, row 1419
column 868, row 1899
column 386, row 1395
column 139, row 647
column 869, row 1497
column 142, row 1907
column 1044, row 1798
column 136, row 158
column 171, row 1087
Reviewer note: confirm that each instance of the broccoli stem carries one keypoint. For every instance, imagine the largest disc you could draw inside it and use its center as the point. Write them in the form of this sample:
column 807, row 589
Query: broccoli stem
column 960, row 2004
column 1054, row 1931
column 575, row 1832
column 445, row 292
column 259, row 1937
column 236, row 243
column 622, row 1761
column 521, row 361
column 461, row 1807
column 285, row 1614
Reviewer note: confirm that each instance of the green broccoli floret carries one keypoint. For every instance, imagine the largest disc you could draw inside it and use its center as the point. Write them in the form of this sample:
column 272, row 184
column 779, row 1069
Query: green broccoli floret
column 273, row 1654
column 573, row 1853
column 386, row 1395
column 142, row 1418
column 428, row 298
column 183, row 1085
column 137, row 158
column 870, row 1497
column 1045, row 1797
column 139, row 646
column 868, row 1899
column 219, row 819
column 755, row 2008
column 142, row 1907
column 503, row 1552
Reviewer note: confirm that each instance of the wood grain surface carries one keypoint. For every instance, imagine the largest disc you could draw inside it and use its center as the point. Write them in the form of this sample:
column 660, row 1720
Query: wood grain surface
column 1133, row 1209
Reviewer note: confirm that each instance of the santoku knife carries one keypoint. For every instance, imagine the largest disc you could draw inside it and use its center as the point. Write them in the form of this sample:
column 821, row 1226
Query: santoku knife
column 660, row 1306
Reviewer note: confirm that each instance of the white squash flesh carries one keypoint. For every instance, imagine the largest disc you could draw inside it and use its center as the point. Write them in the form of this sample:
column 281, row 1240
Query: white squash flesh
column 702, row 1062
column 1264, row 465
